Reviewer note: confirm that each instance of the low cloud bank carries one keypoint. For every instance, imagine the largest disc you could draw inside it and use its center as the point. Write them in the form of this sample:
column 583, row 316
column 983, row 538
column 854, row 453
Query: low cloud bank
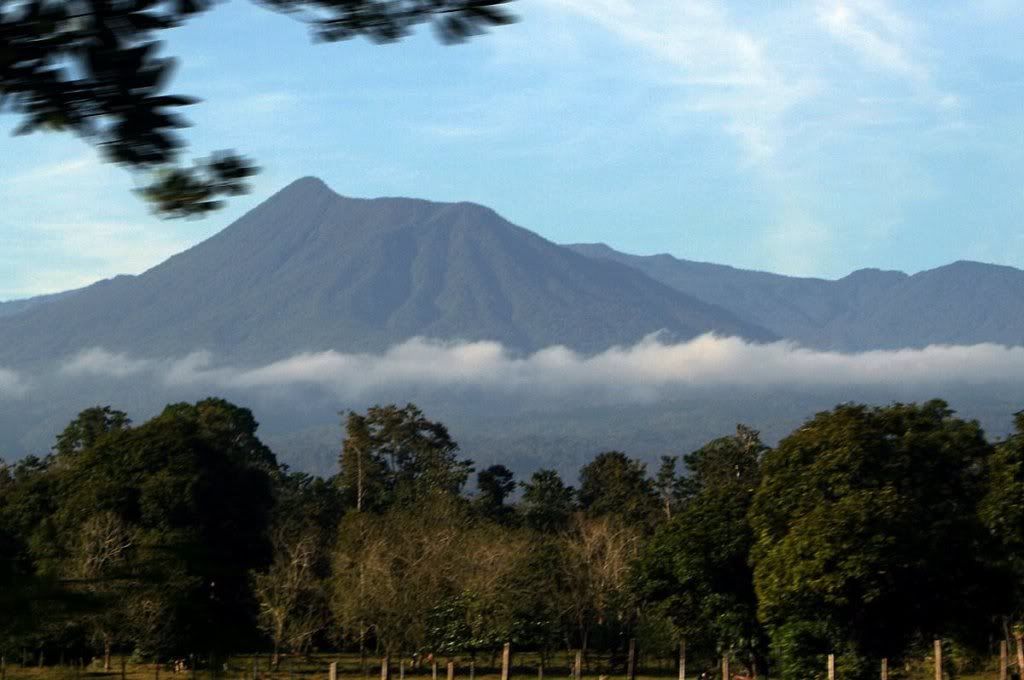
column 643, row 370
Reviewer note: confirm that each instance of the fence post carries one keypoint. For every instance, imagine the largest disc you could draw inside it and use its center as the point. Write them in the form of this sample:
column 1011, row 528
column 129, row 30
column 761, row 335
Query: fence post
column 1003, row 660
column 831, row 667
column 433, row 669
column 472, row 669
column 725, row 668
column 682, row 659
column 885, row 668
column 938, row 660
column 451, row 670
column 385, row 668
column 332, row 671
column 631, row 660
column 506, row 661
column 577, row 666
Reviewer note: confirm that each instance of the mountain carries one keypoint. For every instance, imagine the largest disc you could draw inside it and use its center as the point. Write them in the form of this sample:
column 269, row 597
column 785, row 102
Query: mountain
column 12, row 307
column 960, row 303
column 310, row 270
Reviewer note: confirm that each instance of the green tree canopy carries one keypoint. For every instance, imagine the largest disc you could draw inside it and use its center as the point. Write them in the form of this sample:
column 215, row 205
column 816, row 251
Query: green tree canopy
column 87, row 427
column 394, row 454
column 1002, row 510
column 494, row 485
column 161, row 523
column 547, row 503
column 696, row 568
column 615, row 484
column 867, row 536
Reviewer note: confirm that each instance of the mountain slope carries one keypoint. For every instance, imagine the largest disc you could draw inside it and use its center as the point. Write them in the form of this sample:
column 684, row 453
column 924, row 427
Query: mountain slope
column 11, row 307
column 960, row 303
column 309, row 270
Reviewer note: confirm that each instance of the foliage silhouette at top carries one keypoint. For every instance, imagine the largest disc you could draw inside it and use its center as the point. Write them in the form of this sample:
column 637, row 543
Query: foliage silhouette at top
column 91, row 67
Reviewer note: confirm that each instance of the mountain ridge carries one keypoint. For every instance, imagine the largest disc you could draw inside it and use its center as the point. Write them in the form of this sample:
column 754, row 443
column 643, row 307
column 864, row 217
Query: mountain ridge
column 964, row 302
column 310, row 270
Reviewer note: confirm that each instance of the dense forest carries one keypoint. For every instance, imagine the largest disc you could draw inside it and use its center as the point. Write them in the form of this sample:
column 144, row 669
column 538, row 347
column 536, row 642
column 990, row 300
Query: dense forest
column 866, row 533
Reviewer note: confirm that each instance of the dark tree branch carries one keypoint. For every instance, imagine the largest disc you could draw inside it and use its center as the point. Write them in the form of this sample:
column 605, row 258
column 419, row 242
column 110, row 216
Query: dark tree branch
column 91, row 67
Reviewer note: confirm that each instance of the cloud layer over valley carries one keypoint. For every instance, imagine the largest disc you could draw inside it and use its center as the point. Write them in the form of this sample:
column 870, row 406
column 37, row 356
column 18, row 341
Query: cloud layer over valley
column 639, row 372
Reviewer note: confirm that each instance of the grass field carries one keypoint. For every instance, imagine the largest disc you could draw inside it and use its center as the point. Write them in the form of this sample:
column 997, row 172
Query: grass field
column 525, row 667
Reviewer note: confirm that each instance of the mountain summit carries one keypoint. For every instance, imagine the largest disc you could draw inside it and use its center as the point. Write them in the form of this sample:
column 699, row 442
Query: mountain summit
column 310, row 270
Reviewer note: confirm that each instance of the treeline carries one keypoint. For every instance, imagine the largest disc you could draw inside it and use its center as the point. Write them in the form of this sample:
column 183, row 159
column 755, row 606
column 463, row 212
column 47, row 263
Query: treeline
column 865, row 533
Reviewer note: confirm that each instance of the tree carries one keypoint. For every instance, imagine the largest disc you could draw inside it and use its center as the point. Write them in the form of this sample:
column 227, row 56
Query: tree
column 613, row 483
column 101, row 566
column 164, row 520
column 364, row 476
column 23, row 505
column 597, row 561
column 1002, row 510
column 92, row 68
column 88, row 426
column 666, row 485
column 696, row 568
column 494, row 485
column 292, row 592
column 390, row 570
column 395, row 454
column 547, row 503
column 867, row 536
column 35, row 602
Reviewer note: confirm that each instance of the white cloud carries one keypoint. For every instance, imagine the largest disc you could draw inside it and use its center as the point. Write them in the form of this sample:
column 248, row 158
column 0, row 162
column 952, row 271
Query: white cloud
column 726, row 71
column 888, row 41
column 642, row 371
column 880, row 35
column 97, row 361
column 12, row 385
column 72, row 221
column 67, row 169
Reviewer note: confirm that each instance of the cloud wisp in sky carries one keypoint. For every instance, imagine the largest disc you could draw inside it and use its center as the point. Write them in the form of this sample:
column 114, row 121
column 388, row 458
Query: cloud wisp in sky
column 726, row 69
column 12, row 385
column 639, row 372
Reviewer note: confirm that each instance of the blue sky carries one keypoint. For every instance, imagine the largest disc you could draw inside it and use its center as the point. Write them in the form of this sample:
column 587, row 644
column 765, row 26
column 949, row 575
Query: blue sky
column 808, row 138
